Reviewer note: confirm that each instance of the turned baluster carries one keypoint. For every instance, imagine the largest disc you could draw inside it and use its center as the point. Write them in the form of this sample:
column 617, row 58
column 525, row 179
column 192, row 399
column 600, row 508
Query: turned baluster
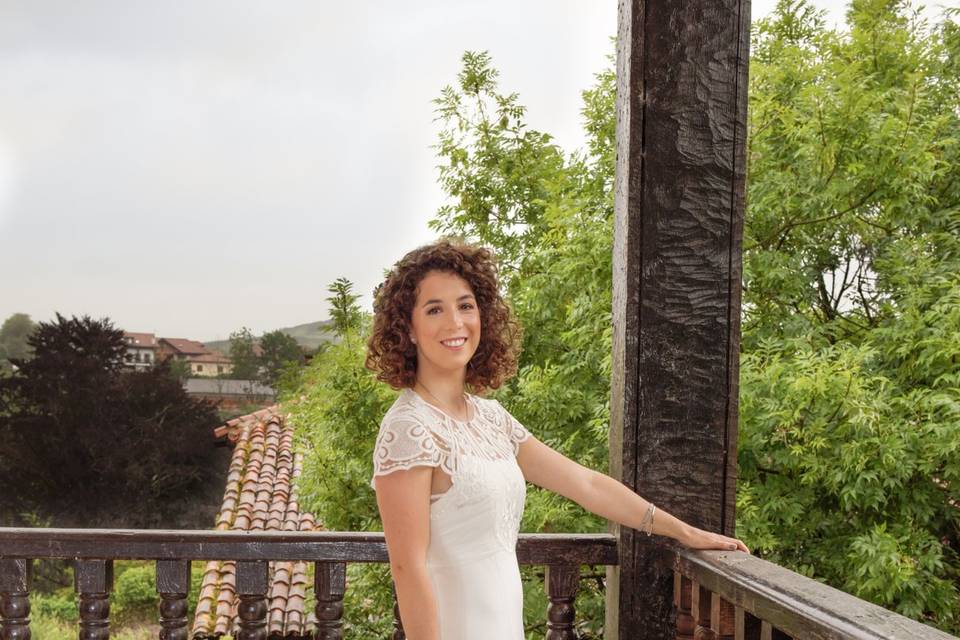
column 398, row 632
column 681, row 600
column 15, row 578
column 561, row 581
column 93, row 581
column 329, row 584
column 173, row 585
column 252, row 579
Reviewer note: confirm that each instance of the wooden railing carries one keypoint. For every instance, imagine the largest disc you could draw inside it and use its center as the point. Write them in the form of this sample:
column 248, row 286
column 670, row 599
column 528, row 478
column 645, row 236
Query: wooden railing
column 95, row 550
column 718, row 595
column 721, row 595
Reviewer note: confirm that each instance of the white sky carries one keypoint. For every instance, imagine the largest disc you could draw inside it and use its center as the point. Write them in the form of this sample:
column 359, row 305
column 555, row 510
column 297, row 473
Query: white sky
column 189, row 168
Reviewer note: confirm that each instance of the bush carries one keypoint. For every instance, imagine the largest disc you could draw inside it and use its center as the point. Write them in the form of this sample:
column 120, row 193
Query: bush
column 134, row 604
column 60, row 606
column 135, row 594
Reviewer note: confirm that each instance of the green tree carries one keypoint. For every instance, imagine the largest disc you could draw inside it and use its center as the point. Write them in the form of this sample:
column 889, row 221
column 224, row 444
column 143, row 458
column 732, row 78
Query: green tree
column 496, row 172
column 850, row 407
column 336, row 413
column 87, row 442
column 243, row 353
column 279, row 353
column 179, row 370
column 344, row 310
column 14, row 334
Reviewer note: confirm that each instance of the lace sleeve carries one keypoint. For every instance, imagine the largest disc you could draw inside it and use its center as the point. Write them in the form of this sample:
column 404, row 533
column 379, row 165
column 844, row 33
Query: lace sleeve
column 515, row 431
column 405, row 442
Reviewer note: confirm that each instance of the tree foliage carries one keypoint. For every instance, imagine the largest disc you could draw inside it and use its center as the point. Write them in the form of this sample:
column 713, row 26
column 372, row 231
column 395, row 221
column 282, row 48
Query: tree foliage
column 86, row 442
column 344, row 311
column 279, row 352
column 14, row 334
column 850, row 402
column 850, row 371
column 336, row 412
column 243, row 353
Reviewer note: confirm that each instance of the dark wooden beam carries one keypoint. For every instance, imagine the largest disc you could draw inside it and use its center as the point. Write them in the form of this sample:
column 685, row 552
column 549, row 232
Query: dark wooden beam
column 681, row 121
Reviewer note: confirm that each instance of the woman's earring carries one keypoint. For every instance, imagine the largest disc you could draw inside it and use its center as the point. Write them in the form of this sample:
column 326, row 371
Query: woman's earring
column 413, row 340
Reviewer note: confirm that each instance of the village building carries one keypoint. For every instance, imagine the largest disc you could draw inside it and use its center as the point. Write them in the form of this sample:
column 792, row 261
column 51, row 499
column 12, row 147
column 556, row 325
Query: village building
column 204, row 361
column 142, row 350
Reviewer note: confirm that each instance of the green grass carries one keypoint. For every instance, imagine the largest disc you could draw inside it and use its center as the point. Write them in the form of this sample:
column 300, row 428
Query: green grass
column 134, row 605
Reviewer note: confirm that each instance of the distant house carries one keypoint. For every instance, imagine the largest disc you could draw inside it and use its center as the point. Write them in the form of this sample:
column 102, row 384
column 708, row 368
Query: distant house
column 204, row 361
column 142, row 350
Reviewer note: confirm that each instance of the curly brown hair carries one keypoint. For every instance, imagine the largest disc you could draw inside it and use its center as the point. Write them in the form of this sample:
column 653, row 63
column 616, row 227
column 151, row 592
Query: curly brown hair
column 393, row 356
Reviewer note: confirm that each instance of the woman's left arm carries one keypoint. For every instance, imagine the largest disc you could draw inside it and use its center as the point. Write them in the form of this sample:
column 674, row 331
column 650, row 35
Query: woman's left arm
column 608, row 498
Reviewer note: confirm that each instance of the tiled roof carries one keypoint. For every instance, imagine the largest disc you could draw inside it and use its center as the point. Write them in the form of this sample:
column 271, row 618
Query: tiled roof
column 214, row 357
column 186, row 347
column 260, row 496
column 142, row 340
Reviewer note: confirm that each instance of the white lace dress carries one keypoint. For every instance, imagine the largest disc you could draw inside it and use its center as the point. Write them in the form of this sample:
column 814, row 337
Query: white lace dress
column 472, row 557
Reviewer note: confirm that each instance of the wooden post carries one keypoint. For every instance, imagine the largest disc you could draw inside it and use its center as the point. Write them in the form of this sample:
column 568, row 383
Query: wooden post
column 15, row 581
column 329, row 585
column 679, row 199
column 93, row 582
column 173, row 585
column 253, row 582
column 561, row 581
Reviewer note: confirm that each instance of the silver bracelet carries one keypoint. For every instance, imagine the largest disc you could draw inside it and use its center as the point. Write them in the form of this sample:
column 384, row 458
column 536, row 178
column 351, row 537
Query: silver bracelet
column 646, row 525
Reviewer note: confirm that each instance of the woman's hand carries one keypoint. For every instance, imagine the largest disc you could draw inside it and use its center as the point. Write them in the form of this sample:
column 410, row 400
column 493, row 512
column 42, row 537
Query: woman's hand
column 700, row 539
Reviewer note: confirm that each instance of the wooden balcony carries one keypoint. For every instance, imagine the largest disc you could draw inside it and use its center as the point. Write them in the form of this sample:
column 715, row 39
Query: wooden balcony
column 677, row 259
column 717, row 595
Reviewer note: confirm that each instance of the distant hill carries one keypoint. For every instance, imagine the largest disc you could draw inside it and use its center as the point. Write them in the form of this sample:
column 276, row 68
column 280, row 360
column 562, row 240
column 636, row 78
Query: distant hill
column 310, row 335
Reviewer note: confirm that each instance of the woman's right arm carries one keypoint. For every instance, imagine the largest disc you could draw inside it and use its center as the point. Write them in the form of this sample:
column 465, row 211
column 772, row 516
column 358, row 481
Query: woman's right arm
column 403, row 498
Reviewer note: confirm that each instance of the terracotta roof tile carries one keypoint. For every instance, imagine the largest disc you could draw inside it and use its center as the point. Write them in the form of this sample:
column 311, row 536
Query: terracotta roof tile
column 213, row 357
column 184, row 346
column 259, row 495
column 141, row 340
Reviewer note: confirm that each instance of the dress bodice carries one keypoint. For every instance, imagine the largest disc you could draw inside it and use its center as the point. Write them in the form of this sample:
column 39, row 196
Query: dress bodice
column 414, row 433
column 479, row 515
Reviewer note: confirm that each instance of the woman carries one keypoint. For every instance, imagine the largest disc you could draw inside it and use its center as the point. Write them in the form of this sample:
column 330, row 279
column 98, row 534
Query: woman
column 450, row 467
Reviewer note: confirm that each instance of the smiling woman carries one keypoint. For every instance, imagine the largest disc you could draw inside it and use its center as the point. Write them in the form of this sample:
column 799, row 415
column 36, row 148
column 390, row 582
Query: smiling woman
column 445, row 327
column 461, row 276
column 450, row 467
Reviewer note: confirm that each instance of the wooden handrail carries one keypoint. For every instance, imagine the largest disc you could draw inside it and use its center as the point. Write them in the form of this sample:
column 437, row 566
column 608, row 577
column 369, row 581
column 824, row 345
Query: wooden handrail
column 787, row 601
column 341, row 546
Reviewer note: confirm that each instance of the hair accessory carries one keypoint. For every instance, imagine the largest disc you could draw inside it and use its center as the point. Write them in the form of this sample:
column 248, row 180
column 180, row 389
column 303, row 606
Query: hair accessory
column 646, row 525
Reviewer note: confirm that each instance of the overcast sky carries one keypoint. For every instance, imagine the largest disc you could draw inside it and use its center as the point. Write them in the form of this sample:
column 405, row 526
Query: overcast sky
column 188, row 168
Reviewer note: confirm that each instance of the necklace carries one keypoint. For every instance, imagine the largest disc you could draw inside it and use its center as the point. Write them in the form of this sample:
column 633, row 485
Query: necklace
column 463, row 398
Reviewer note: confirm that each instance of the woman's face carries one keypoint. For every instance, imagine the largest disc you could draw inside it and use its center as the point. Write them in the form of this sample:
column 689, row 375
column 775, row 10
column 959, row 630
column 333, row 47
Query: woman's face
column 445, row 324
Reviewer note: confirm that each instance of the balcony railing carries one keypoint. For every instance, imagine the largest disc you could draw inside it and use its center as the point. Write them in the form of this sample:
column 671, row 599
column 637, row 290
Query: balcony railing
column 95, row 550
column 718, row 595
column 723, row 595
